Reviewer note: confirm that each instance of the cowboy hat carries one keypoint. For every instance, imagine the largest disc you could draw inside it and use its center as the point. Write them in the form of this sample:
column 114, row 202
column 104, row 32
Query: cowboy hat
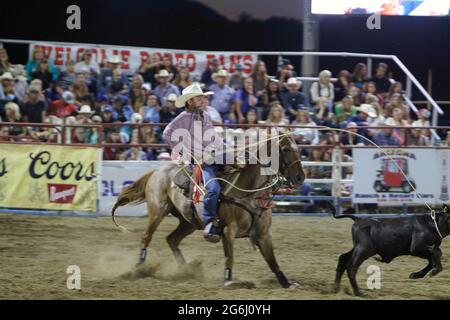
column 6, row 76
column 115, row 59
column 294, row 80
column 194, row 90
column 390, row 122
column 368, row 109
column 85, row 109
column 172, row 97
column 163, row 73
column 220, row 73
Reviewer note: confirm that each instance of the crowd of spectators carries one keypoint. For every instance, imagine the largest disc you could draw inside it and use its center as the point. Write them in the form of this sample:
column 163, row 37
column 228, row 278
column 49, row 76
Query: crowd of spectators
column 85, row 92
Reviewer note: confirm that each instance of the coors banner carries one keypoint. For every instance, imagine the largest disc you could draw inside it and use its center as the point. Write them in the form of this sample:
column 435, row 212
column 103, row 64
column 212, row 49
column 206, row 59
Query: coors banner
column 48, row 177
column 132, row 57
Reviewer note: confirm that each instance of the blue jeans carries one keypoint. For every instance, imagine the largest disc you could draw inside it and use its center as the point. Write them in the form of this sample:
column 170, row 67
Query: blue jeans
column 211, row 200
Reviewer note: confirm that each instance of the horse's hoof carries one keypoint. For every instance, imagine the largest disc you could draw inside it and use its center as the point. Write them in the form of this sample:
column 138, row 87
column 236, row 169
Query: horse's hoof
column 434, row 272
column 293, row 285
column 336, row 288
column 361, row 293
column 415, row 275
column 230, row 285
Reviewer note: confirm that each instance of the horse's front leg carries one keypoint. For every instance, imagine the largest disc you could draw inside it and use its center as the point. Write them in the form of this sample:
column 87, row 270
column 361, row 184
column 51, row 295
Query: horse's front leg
column 265, row 245
column 229, row 234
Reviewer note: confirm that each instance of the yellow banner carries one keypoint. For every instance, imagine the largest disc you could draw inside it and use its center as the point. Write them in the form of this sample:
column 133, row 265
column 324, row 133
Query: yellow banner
column 48, row 177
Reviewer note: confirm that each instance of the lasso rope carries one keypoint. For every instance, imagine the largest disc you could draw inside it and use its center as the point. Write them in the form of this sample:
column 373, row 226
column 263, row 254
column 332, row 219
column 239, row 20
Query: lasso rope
column 432, row 211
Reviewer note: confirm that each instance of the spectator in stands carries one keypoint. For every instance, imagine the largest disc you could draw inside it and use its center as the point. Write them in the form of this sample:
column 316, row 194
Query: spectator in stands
column 43, row 73
column 384, row 137
column 83, row 134
column 164, row 88
column 395, row 88
column 64, row 107
column 305, row 135
column 285, row 71
column 381, row 80
column 7, row 92
column 4, row 133
column 293, row 99
column 318, row 172
column 150, row 112
column 251, row 132
column 396, row 101
column 260, row 78
column 169, row 111
column 245, row 98
column 112, row 153
column 345, row 110
column 79, row 88
column 212, row 67
column 36, row 57
column 123, row 111
column 370, row 90
column 136, row 94
column 12, row 115
column 237, row 80
column 350, row 139
column 20, row 83
column 5, row 65
column 149, row 68
column 34, row 110
column 357, row 94
column 68, row 77
column 105, row 78
column 167, row 64
column 423, row 115
column 118, row 84
column 128, row 131
column 418, row 137
column 276, row 115
column 273, row 91
column 359, row 75
column 223, row 97
column 183, row 78
column 342, row 85
column 322, row 92
column 88, row 66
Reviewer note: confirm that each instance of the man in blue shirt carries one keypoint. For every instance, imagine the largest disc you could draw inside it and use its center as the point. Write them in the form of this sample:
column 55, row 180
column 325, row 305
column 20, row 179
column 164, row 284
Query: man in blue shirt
column 384, row 137
column 223, row 94
column 165, row 87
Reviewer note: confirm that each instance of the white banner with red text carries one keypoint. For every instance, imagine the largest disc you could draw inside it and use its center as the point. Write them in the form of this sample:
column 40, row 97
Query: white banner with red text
column 133, row 57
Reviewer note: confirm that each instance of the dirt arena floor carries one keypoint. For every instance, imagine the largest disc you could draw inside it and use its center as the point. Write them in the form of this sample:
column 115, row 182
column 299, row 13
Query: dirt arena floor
column 35, row 252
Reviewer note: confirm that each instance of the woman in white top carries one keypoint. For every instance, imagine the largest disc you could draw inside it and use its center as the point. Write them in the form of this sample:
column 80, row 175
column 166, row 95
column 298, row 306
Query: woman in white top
column 305, row 135
column 322, row 92
column 276, row 115
column 87, row 65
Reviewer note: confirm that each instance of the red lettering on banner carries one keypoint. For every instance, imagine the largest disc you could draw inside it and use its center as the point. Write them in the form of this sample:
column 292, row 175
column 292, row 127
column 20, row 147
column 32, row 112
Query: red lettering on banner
column 209, row 57
column 125, row 57
column 79, row 54
column 58, row 56
column 222, row 61
column 232, row 62
column 68, row 53
column 144, row 57
column 61, row 193
column 179, row 57
column 47, row 51
column 102, row 56
column 191, row 62
column 248, row 64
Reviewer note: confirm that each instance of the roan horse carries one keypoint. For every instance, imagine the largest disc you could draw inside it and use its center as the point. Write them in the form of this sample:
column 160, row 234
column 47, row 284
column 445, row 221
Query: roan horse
column 239, row 212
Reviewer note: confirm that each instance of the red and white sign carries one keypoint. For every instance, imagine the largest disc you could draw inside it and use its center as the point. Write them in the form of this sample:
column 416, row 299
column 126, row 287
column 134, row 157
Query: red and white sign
column 133, row 58
column 61, row 193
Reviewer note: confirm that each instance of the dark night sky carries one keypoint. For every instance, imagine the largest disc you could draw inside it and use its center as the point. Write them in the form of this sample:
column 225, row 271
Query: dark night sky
column 422, row 43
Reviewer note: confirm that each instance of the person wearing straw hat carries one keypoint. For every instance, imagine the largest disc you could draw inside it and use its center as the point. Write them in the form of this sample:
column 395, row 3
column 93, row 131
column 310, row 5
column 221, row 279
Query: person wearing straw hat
column 293, row 99
column 164, row 88
column 384, row 137
column 194, row 119
column 105, row 78
column 223, row 94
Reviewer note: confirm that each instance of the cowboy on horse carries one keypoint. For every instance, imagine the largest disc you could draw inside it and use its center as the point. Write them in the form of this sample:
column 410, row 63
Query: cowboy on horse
column 191, row 126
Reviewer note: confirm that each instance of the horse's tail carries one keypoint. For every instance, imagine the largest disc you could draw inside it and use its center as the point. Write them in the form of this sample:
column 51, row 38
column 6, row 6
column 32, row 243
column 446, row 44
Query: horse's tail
column 133, row 194
column 333, row 211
